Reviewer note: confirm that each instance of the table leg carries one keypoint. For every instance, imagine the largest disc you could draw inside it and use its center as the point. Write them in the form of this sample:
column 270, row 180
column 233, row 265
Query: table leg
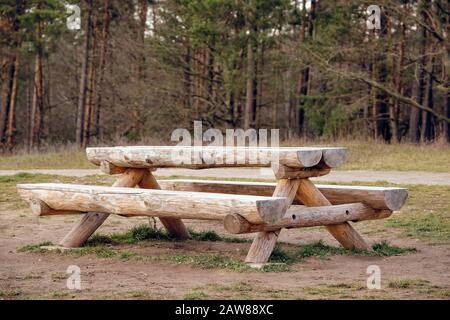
column 265, row 242
column 91, row 221
column 174, row 226
column 347, row 236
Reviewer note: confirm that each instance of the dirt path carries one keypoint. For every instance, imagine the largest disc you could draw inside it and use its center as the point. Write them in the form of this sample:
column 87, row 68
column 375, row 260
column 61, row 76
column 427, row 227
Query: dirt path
column 420, row 275
column 398, row 177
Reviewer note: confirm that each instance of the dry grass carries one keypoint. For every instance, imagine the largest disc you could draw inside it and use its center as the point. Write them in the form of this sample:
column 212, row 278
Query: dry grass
column 363, row 155
column 380, row 156
column 417, row 288
column 64, row 159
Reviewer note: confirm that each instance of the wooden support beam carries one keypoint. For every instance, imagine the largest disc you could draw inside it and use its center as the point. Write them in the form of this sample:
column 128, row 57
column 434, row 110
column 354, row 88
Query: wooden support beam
column 154, row 203
column 381, row 198
column 108, row 168
column 40, row 208
column 301, row 217
column 264, row 243
column 347, row 236
column 283, row 172
column 91, row 221
column 174, row 226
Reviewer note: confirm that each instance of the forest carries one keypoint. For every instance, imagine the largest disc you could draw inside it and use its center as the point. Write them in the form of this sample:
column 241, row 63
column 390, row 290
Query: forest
column 139, row 69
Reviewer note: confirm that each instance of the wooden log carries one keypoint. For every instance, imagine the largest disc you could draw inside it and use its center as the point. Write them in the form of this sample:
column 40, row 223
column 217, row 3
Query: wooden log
column 391, row 199
column 159, row 203
column 347, row 236
column 212, row 157
column 382, row 198
column 264, row 243
column 91, row 221
column 174, row 226
column 283, row 172
column 108, row 168
column 301, row 217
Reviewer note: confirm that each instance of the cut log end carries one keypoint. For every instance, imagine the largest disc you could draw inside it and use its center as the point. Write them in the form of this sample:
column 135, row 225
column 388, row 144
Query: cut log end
column 236, row 224
column 395, row 198
column 334, row 157
column 309, row 158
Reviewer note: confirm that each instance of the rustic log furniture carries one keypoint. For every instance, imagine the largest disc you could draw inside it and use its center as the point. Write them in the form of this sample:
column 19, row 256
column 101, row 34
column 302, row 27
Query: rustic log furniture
column 244, row 207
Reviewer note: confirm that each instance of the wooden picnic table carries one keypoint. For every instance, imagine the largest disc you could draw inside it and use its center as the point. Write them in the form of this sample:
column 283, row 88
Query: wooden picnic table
column 244, row 207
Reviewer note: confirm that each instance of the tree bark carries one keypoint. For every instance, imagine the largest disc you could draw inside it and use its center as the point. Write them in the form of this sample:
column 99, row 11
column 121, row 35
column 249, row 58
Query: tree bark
column 83, row 78
column 427, row 130
column 36, row 104
column 394, row 106
column 89, row 104
column 102, row 68
column 7, row 80
column 10, row 133
column 250, row 85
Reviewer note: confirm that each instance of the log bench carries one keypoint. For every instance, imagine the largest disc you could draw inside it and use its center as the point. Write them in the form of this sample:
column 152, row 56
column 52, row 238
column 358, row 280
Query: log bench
column 243, row 207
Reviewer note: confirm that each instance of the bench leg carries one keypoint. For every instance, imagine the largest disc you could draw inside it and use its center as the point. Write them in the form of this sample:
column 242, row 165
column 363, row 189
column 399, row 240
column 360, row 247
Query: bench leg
column 265, row 242
column 174, row 226
column 91, row 221
column 347, row 236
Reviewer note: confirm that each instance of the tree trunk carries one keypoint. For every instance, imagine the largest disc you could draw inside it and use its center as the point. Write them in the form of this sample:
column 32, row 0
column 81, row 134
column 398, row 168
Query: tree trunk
column 447, row 113
column 102, row 68
column 89, row 105
column 7, row 80
column 10, row 133
column 142, row 13
column 83, row 77
column 427, row 130
column 36, row 104
column 250, row 90
column 394, row 106
column 187, row 76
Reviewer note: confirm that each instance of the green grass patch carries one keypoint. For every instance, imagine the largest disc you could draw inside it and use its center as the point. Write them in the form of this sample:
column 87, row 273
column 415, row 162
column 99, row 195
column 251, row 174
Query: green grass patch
column 196, row 295
column 237, row 291
column 384, row 249
column 102, row 252
column 205, row 235
column 35, row 247
column 10, row 293
column 145, row 232
column 134, row 235
column 280, row 260
column 408, row 283
column 322, row 250
column 210, row 261
column 280, row 256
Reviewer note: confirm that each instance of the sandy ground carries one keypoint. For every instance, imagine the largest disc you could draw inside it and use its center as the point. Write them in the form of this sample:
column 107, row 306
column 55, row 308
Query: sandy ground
column 398, row 177
column 43, row 275
column 425, row 274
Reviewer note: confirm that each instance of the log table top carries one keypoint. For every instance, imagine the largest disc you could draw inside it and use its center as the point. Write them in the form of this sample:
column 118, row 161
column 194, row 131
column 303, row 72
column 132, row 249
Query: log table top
column 216, row 157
